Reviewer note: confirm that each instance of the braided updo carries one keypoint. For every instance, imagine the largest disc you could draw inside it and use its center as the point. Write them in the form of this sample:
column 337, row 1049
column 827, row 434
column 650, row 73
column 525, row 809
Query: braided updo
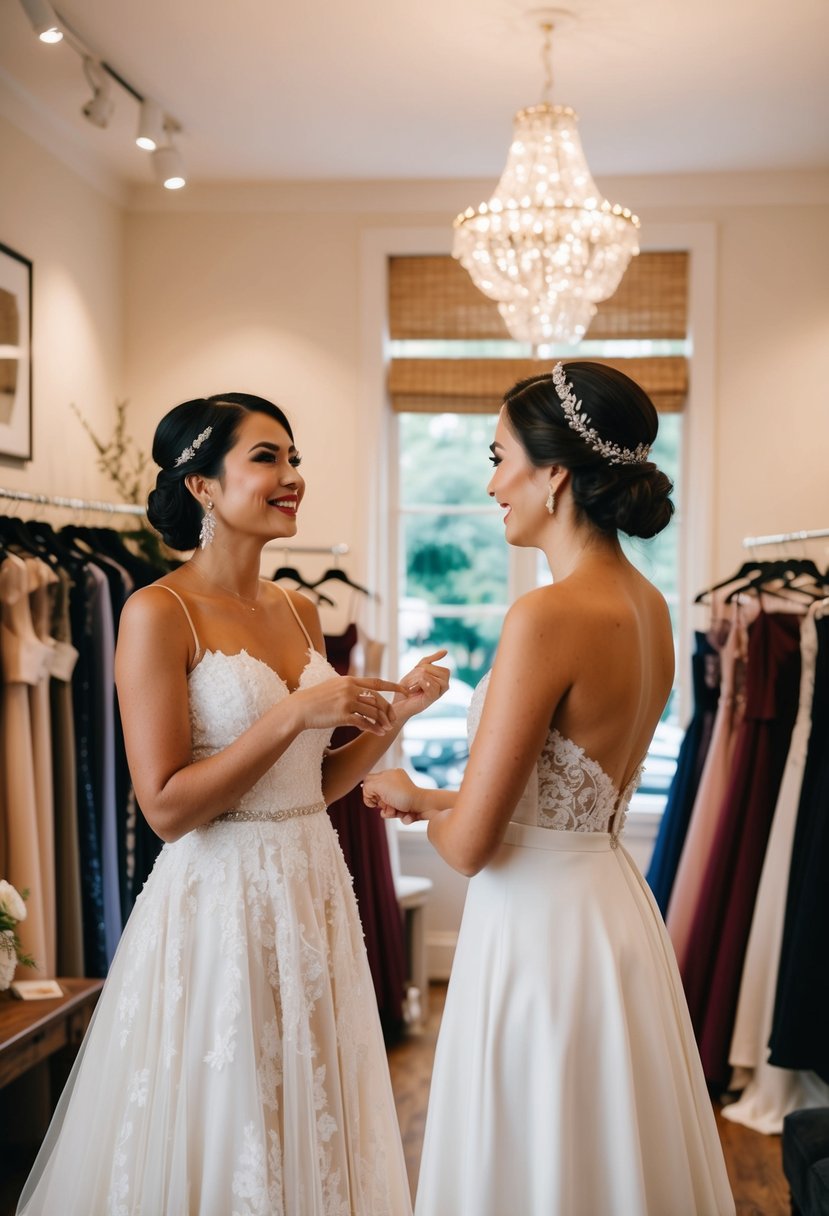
column 171, row 508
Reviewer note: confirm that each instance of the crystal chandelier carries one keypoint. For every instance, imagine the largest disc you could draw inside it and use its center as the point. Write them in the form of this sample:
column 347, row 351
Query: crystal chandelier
column 547, row 247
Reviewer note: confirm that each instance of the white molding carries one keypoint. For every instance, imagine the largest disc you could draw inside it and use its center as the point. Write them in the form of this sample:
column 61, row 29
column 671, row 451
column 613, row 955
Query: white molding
column 446, row 197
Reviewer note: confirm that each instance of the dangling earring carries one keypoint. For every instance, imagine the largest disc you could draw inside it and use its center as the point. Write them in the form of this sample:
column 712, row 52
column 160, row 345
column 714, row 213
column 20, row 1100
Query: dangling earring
column 551, row 500
column 208, row 527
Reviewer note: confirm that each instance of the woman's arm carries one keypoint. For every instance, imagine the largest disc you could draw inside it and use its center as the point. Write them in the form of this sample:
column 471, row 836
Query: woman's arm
column 344, row 767
column 175, row 793
column 520, row 703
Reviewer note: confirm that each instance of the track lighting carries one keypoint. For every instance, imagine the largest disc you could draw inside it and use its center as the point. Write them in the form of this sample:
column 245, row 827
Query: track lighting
column 100, row 106
column 169, row 167
column 44, row 20
column 156, row 128
column 150, row 126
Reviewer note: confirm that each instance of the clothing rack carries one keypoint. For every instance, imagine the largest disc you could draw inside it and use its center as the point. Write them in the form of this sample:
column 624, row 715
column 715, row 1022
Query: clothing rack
column 73, row 504
column 340, row 550
column 753, row 542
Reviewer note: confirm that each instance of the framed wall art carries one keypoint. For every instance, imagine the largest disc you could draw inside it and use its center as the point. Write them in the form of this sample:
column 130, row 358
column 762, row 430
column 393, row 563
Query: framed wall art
column 15, row 354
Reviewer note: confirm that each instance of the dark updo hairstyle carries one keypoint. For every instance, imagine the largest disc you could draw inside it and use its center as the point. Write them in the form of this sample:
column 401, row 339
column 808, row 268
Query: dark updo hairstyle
column 171, row 508
column 630, row 498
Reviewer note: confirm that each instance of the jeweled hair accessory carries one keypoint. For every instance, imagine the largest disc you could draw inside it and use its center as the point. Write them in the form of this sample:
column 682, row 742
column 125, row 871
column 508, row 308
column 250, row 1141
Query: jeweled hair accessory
column 579, row 422
column 190, row 452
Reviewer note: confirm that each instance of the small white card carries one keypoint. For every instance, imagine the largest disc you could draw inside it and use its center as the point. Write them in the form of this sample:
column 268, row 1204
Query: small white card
column 36, row 990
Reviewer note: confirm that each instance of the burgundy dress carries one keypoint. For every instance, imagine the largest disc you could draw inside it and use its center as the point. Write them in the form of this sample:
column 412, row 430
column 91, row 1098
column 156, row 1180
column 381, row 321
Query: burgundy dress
column 722, row 921
column 362, row 835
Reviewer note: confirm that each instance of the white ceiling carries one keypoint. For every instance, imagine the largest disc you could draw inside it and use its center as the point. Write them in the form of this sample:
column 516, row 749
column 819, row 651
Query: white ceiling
column 325, row 89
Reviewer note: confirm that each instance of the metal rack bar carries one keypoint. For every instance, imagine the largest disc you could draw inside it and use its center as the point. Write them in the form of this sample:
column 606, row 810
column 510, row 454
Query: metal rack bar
column 752, row 542
column 275, row 546
column 73, row 504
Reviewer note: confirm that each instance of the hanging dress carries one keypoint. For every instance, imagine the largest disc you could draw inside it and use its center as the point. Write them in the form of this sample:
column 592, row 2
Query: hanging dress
column 771, row 1093
column 705, row 671
column 362, row 835
column 722, row 922
column 713, row 784
column 799, row 1037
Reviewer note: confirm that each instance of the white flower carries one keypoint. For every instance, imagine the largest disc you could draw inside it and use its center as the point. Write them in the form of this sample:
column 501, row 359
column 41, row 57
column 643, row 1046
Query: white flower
column 8, row 959
column 11, row 902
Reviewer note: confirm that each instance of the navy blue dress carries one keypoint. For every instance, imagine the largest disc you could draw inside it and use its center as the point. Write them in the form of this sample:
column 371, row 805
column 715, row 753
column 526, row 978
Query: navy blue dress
column 705, row 670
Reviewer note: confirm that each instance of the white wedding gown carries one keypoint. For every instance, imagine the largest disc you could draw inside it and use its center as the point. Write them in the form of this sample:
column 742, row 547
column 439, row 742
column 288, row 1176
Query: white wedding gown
column 567, row 1081
column 235, row 1064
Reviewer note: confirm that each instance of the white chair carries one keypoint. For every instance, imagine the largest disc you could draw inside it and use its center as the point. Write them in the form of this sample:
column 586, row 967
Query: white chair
column 412, row 896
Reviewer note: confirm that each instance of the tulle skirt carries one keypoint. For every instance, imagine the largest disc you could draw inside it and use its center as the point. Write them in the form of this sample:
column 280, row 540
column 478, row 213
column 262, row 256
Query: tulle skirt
column 567, row 1081
column 235, row 1064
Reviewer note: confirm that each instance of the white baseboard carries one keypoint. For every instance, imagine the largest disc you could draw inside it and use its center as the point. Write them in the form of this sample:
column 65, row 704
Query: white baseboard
column 440, row 951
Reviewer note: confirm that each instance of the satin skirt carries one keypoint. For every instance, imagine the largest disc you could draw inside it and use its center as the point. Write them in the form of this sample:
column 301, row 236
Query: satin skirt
column 235, row 1062
column 567, row 1081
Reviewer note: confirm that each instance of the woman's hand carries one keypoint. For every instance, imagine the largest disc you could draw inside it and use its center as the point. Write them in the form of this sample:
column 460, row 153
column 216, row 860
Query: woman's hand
column 394, row 792
column 423, row 685
column 348, row 701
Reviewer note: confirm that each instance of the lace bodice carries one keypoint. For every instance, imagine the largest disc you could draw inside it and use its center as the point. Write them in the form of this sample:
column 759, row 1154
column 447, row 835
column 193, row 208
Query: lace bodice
column 567, row 790
column 228, row 694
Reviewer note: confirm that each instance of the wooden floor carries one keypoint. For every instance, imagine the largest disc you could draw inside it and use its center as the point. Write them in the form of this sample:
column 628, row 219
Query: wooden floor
column 753, row 1160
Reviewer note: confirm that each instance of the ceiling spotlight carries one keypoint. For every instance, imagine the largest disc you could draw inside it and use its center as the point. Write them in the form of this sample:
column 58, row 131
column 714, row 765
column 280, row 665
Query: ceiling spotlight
column 150, row 126
column 44, row 20
column 169, row 167
column 100, row 105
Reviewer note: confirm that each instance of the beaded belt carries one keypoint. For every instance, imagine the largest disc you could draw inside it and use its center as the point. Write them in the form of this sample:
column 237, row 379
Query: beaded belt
column 264, row 816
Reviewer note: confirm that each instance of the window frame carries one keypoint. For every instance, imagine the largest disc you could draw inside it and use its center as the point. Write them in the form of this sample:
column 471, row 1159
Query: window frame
column 379, row 430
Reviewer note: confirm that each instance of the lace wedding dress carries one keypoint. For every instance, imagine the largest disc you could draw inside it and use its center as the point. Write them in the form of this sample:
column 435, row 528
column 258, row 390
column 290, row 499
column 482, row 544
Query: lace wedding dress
column 235, row 1064
column 567, row 1081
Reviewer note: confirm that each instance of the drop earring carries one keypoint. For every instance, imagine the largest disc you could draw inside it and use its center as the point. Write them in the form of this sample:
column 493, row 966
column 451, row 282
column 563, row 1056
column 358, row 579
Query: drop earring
column 551, row 500
column 208, row 527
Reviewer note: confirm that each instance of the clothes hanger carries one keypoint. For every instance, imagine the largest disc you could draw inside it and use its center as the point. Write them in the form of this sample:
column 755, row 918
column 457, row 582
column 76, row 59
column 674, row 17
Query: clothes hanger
column 292, row 573
column 752, row 566
column 335, row 574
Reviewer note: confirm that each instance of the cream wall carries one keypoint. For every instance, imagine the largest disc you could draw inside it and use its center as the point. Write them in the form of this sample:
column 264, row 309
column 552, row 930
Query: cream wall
column 73, row 233
column 259, row 287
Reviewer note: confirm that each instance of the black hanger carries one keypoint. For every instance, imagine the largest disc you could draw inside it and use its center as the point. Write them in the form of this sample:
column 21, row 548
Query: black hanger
column 335, row 574
column 290, row 572
column 786, row 570
column 19, row 532
column 748, row 567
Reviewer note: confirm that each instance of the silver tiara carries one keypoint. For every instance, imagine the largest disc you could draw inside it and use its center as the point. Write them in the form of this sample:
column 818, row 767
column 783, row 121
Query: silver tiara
column 190, row 452
column 579, row 422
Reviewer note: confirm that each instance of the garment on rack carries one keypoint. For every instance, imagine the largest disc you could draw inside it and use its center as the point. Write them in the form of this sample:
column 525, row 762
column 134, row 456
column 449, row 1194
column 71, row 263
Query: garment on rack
column 799, row 1037
column 64, row 774
column 713, row 783
column 771, row 1093
column 723, row 917
column 705, row 668
column 25, row 662
column 363, row 840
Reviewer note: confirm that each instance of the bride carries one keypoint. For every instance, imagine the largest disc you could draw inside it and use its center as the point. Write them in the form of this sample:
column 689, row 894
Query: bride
column 235, row 1062
column 566, row 1081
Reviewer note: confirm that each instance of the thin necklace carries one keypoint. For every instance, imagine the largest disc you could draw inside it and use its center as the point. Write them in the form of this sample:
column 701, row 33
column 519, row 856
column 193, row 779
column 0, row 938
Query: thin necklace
column 249, row 604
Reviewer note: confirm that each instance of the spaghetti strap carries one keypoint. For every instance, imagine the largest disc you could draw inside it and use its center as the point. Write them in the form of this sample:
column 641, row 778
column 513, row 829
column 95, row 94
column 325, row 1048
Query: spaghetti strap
column 164, row 587
column 298, row 617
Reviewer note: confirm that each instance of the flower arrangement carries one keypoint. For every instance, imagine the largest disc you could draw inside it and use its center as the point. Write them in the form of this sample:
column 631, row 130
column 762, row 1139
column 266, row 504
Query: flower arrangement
column 12, row 911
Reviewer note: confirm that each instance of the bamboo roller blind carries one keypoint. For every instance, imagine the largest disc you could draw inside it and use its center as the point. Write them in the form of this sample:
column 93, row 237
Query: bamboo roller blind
column 433, row 297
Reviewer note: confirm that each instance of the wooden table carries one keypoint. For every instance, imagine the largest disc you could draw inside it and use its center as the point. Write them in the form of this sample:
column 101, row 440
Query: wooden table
column 31, row 1031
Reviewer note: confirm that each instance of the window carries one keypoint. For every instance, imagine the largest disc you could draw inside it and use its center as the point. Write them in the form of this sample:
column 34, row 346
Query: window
column 450, row 362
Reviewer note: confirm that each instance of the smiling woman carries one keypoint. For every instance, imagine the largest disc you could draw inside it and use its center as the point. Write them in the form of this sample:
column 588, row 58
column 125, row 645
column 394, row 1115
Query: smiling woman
column 237, row 1038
